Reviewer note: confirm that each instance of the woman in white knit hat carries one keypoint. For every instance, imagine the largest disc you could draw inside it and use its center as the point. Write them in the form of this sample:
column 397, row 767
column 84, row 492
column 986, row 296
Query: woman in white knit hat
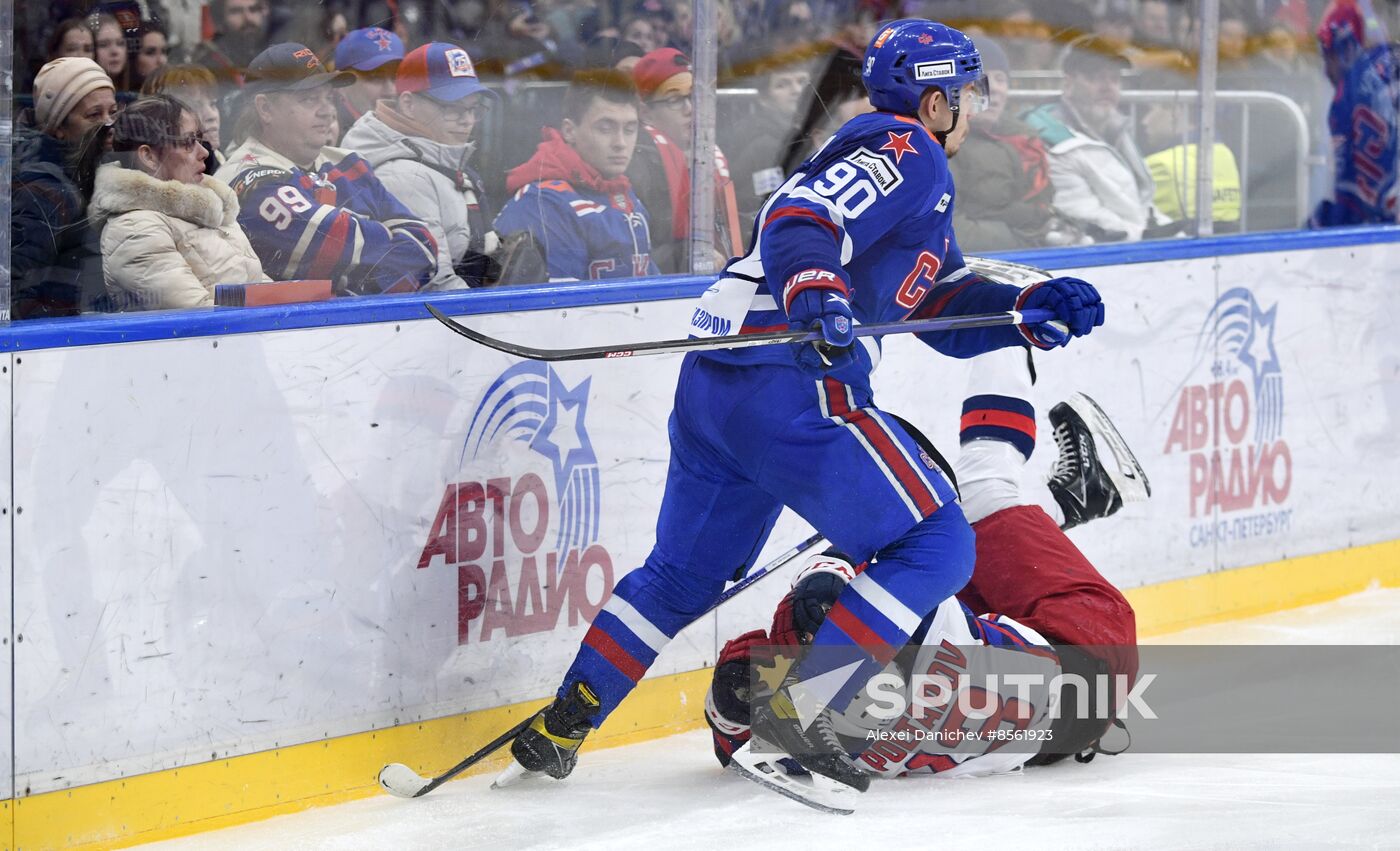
column 71, row 95
column 170, row 232
column 53, row 263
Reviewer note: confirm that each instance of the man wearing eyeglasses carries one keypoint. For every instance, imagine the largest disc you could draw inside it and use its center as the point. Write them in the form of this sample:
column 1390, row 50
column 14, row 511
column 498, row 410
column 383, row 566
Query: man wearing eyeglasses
column 660, row 170
column 312, row 211
column 419, row 142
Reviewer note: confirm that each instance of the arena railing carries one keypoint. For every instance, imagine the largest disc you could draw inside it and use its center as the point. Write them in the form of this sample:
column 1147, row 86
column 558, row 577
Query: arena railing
column 1248, row 100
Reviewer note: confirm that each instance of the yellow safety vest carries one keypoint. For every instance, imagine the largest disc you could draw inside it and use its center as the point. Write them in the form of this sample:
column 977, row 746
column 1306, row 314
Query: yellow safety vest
column 1174, row 173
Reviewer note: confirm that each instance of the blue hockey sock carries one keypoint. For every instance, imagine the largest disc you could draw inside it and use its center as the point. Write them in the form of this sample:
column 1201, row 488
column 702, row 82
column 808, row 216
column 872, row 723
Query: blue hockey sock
column 878, row 611
column 648, row 607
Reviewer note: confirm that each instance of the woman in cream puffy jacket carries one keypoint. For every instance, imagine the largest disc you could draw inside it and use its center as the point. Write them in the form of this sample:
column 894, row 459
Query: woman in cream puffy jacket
column 169, row 231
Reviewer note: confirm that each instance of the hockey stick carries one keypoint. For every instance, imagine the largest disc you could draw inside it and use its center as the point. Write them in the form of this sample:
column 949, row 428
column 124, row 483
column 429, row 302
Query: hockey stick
column 403, row 782
column 771, row 567
column 742, row 341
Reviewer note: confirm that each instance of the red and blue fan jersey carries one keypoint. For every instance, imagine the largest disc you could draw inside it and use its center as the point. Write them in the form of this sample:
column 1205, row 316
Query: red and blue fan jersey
column 585, row 235
column 1364, row 119
column 336, row 222
column 876, row 201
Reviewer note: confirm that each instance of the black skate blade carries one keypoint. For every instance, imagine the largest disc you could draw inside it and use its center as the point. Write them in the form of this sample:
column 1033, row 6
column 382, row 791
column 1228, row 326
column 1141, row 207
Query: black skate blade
column 816, row 791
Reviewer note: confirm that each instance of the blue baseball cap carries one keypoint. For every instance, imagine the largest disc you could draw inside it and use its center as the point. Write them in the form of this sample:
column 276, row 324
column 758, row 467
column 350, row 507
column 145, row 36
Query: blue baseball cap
column 367, row 49
column 441, row 71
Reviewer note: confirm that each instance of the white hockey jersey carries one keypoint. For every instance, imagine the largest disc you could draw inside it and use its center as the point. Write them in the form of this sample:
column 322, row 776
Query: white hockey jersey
column 955, row 722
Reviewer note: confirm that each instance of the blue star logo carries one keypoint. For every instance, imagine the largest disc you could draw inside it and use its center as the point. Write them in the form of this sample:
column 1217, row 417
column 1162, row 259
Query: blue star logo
column 529, row 404
column 1257, row 351
column 562, row 437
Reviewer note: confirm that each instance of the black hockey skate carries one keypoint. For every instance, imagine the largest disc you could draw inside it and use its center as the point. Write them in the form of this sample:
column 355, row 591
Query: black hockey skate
column 550, row 744
column 1096, row 472
column 779, row 737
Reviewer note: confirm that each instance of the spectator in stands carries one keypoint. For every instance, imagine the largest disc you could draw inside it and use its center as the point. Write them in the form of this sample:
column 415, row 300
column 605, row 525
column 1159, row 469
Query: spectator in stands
column 1167, row 131
column 332, row 30
column 658, row 14
column 573, row 22
column 195, row 87
column 527, row 45
column 170, row 232
column 835, row 79
column 419, row 143
column 109, row 40
column 372, row 55
column 51, row 254
column 1005, row 196
column 152, row 53
column 1155, row 44
column 71, row 38
column 639, row 30
column 1102, row 185
column 1115, row 26
column 573, row 204
column 660, row 169
column 1233, row 37
column 241, row 32
column 1364, row 117
column 793, row 23
column 1027, row 34
column 610, row 52
column 682, row 24
column 767, row 134
column 310, row 211
column 1154, row 27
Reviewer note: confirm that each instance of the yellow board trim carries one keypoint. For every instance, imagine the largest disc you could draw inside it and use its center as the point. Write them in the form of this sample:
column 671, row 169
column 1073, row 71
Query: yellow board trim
column 1248, row 591
column 214, row 795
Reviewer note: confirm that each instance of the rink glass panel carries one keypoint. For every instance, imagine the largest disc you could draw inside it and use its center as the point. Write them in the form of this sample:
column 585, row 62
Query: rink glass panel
column 772, row 81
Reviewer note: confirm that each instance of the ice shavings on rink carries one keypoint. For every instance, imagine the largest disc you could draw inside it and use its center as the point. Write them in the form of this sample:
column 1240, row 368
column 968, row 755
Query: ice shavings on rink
column 671, row 793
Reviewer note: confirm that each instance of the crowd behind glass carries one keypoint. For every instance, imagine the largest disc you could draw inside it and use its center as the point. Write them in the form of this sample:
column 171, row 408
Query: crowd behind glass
column 164, row 147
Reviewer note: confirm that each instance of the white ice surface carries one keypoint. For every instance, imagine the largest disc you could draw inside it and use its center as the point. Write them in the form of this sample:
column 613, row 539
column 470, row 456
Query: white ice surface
column 671, row 793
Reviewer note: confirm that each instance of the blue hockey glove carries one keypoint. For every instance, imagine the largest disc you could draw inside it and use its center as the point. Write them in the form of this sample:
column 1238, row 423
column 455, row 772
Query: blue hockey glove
column 812, row 599
column 803, row 611
column 819, row 299
column 1075, row 303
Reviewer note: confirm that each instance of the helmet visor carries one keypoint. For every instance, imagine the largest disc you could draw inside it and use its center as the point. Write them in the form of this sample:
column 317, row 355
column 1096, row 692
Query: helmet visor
column 972, row 97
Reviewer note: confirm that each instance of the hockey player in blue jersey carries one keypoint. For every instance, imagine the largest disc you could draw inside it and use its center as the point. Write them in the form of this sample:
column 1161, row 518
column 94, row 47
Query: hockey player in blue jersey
column 862, row 232
column 1364, row 117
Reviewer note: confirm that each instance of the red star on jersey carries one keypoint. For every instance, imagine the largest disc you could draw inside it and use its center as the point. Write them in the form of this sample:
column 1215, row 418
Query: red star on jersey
column 900, row 145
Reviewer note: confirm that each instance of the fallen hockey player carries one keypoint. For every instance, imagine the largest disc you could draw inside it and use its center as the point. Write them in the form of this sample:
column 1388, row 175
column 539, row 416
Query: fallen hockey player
column 1037, row 592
